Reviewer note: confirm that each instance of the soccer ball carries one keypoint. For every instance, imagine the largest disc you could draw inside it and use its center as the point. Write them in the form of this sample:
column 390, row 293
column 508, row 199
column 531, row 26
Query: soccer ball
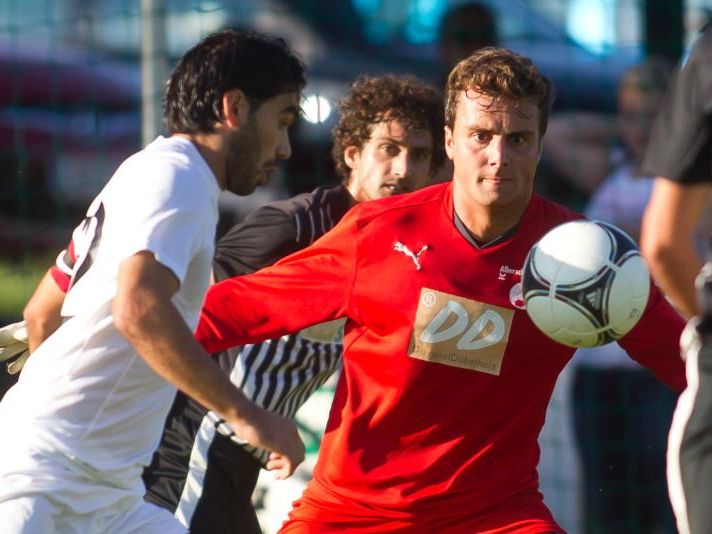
column 585, row 283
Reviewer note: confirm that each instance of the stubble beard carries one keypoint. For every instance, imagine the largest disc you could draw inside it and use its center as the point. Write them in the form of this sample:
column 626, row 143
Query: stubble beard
column 243, row 160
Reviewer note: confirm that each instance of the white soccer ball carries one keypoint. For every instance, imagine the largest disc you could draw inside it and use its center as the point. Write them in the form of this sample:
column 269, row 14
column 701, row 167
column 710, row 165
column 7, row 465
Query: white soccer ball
column 585, row 283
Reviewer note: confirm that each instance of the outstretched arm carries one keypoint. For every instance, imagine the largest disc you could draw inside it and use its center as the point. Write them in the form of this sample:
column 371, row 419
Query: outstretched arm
column 144, row 313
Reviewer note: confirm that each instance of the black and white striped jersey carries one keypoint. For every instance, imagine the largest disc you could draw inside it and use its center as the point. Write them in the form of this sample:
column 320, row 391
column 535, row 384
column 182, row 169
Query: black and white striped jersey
column 279, row 374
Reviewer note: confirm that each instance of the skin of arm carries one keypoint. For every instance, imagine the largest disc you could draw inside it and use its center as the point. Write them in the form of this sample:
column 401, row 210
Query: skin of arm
column 668, row 239
column 42, row 312
column 144, row 314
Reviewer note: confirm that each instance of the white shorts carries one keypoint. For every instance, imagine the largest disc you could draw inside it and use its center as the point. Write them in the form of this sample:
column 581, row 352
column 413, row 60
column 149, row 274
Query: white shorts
column 38, row 514
column 48, row 495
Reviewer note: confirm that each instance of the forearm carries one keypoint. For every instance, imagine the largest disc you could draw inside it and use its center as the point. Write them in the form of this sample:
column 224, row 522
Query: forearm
column 675, row 271
column 42, row 312
column 667, row 239
column 164, row 341
column 143, row 311
column 265, row 305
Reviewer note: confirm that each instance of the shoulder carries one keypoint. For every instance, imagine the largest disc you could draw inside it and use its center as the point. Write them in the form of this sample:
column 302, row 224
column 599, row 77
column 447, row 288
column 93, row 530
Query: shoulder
column 546, row 212
column 168, row 169
column 321, row 196
column 312, row 214
column 399, row 206
column 172, row 153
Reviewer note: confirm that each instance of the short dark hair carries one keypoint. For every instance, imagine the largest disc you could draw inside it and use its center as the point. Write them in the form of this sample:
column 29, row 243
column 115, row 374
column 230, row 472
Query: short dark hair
column 500, row 74
column 374, row 99
column 260, row 66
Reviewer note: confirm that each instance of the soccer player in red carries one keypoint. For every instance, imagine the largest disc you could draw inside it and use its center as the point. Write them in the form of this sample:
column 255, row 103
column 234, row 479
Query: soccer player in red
column 445, row 383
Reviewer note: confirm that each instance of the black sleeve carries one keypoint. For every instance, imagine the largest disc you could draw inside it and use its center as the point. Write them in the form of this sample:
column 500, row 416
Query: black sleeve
column 680, row 146
column 265, row 236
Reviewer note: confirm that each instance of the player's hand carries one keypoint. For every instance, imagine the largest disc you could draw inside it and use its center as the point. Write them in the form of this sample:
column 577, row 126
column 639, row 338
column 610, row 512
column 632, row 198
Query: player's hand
column 277, row 434
column 13, row 346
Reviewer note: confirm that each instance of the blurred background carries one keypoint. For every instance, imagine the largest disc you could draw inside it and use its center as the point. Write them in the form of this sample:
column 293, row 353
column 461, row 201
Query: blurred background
column 81, row 88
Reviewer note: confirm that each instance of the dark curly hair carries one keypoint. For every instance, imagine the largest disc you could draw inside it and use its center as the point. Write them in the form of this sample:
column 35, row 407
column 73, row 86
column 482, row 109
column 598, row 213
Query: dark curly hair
column 374, row 99
column 261, row 66
column 499, row 73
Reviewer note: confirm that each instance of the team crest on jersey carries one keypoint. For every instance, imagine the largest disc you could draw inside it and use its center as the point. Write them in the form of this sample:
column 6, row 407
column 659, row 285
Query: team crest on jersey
column 516, row 296
column 455, row 331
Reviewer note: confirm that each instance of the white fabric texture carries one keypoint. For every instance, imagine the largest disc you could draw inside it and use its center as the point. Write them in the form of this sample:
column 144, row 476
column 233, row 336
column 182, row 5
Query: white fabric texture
column 86, row 403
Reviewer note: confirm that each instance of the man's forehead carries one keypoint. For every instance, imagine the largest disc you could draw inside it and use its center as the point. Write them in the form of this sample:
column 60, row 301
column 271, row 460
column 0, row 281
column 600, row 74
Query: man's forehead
column 396, row 128
column 526, row 107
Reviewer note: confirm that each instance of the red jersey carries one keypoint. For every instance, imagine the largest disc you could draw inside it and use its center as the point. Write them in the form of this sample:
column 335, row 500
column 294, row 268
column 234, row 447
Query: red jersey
column 446, row 380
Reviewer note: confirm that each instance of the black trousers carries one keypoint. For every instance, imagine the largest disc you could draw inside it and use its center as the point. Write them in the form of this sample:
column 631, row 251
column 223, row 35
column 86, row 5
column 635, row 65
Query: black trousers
column 222, row 503
column 690, row 475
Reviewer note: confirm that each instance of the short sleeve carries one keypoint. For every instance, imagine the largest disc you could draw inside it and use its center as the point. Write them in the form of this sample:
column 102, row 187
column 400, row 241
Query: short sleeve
column 166, row 212
column 680, row 146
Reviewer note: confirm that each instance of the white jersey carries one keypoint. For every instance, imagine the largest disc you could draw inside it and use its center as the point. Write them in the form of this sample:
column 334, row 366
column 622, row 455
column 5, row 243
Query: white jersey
column 86, row 396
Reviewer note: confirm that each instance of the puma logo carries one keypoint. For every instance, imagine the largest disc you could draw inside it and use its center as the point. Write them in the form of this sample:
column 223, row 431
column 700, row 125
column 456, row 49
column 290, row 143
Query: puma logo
column 400, row 247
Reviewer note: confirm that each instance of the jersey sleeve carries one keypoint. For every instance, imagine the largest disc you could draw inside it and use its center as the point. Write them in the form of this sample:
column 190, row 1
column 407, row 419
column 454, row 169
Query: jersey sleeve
column 311, row 286
column 265, row 236
column 167, row 217
column 63, row 267
column 680, row 146
column 655, row 341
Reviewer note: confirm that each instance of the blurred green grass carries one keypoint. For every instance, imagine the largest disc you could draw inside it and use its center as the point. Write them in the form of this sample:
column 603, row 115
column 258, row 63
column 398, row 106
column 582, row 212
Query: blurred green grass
column 18, row 279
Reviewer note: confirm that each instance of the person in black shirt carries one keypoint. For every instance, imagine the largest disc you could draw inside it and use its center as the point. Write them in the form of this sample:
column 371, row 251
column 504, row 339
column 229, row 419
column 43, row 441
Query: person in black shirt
column 679, row 155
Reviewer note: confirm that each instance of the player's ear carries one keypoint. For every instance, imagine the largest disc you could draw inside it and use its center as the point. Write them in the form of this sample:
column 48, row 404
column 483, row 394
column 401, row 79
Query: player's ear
column 351, row 156
column 448, row 142
column 235, row 108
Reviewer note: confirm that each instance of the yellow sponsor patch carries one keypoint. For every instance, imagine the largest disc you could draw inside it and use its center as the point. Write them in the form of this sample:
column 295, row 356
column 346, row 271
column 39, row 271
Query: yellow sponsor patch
column 464, row 333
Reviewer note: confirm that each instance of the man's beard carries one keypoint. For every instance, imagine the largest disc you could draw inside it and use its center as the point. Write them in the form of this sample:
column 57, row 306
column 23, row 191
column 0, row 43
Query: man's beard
column 243, row 166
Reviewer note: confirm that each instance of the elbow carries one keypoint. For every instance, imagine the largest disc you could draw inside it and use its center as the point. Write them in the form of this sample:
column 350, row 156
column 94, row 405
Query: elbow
column 126, row 316
column 654, row 251
column 31, row 314
column 38, row 319
column 134, row 313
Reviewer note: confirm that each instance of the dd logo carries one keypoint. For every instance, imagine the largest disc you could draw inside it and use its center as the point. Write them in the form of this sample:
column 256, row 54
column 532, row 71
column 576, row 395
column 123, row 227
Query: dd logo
column 487, row 329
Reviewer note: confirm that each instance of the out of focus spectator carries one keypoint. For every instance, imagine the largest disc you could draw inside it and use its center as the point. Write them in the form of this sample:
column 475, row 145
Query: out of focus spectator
column 621, row 412
column 464, row 29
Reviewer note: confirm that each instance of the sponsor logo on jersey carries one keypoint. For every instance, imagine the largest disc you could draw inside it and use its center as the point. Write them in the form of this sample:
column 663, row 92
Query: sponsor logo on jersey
column 459, row 332
column 516, row 296
column 415, row 256
column 505, row 271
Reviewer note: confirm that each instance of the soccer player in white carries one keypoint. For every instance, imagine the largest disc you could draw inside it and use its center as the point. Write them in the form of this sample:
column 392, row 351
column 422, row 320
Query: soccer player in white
column 89, row 407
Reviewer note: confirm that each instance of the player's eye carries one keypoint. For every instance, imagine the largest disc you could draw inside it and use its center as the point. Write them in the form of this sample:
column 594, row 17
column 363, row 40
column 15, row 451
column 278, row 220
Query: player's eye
column 390, row 149
column 481, row 137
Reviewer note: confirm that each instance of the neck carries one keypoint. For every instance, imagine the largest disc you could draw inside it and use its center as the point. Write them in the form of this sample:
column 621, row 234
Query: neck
column 210, row 148
column 486, row 223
